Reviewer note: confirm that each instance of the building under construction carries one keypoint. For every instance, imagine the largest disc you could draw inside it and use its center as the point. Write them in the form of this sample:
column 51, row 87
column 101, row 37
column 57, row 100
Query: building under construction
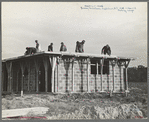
column 61, row 72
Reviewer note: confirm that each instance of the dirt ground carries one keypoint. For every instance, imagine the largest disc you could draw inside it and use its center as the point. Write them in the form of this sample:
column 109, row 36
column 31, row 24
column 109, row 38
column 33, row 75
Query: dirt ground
column 83, row 105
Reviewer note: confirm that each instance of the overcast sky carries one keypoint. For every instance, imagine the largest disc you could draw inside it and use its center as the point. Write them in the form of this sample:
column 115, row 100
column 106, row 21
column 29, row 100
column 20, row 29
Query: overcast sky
column 125, row 31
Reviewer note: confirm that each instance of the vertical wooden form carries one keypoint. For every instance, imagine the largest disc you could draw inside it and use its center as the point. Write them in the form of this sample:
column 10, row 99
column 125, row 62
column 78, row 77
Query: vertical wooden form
column 9, row 68
column 113, row 76
column 120, row 75
column 101, row 68
column 88, row 66
column 46, row 65
column 22, row 81
column 73, row 75
column 113, row 63
column 2, row 82
column 126, row 66
column 57, row 76
column 37, row 74
column 53, row 64
column 96, row 76
column 120, row 63
column 29, row 73
column 17, row 81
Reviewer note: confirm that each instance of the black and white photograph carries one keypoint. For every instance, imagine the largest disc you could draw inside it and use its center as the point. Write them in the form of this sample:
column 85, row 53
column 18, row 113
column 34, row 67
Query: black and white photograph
column 74, row 60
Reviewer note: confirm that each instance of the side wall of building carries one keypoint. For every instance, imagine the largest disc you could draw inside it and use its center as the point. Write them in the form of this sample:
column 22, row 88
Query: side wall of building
column 68, row 77
column 64, row 78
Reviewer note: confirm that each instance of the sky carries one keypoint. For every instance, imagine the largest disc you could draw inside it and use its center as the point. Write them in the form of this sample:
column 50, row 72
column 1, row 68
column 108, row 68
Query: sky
column 122, row 25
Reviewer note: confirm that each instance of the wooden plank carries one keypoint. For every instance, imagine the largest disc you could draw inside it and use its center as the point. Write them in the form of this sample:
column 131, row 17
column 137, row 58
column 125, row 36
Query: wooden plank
column 9, row 68
column 22, row 70
column 24, row 111
column 101, row 65
column 73, row 76
column 37, row 70
column 53, row 68
column 17, row 80
column 113, row 76
column 126, row 66
column 96, row 76
column 120, row 78
column 126, row 83
column 46, row 65
column 46, row 79
column 57, row 77
column 88, row 88
column 29, row 74
column 69, row 54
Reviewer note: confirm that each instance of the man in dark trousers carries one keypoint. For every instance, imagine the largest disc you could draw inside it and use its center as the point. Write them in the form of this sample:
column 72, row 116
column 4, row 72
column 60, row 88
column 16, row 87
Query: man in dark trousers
column 63, row 47
column 106, row 50
column 81, row 49
column 79, row 46
column 37, row 45
column 50, row 47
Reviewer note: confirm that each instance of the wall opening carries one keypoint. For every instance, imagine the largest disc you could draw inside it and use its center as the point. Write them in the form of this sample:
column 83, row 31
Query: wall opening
column 94, row 67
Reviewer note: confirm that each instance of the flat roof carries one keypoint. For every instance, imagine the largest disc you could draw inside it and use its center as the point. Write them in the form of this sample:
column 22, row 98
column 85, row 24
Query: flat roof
column 69, row 54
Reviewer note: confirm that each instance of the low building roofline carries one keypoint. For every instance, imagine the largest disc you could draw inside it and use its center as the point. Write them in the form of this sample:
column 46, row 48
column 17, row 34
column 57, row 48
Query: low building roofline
column 69, row 54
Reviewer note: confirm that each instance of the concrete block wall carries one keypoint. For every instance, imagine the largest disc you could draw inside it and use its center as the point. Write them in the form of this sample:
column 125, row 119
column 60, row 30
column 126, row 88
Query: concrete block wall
column 80, row 78
column 64, row 76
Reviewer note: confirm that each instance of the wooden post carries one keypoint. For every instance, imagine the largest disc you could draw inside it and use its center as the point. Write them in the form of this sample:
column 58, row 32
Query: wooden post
column 2, row 83
column 46, row 79
column 17, row 81
column 113, row 76
column 22, row 81
column 96, row 76
column 120, row 63
column 9, row 68
column 28, row 76
column 88, row 66
column 37, row 74
column 11, row 79
column 126, row 66
column 113, row 62
column 46, row 64
column 120, row 79
column 57, row 77
column 72, row 75
column 101, row 68
column 53, row 64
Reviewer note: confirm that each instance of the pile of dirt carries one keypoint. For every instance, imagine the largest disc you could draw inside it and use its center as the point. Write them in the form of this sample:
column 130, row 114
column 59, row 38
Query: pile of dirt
column 81, row 96
column 125, row 111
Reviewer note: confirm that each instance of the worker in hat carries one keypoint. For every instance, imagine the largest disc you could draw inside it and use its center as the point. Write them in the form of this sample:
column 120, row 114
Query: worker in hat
column 50, row 47
column 106, row 50
column 63, row 47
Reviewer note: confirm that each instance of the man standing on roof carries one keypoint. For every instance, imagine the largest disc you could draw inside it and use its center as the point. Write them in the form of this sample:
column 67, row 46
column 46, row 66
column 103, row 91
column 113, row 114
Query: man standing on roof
column 63, row 47
column 77, row 46
column 106, row 50
column 50, row 47
column 81, row 47
column 37, row 45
